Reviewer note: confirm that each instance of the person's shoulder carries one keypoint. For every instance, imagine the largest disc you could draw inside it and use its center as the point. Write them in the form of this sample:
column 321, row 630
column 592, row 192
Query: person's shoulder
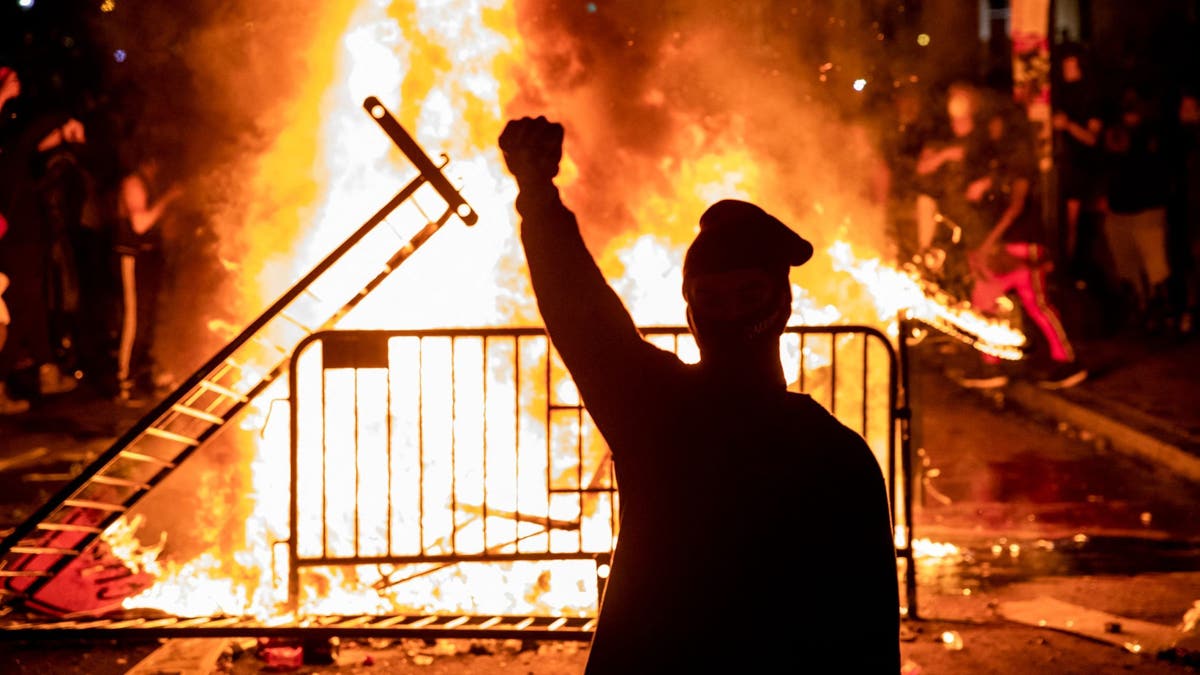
column 837, row 442
column 813, row 412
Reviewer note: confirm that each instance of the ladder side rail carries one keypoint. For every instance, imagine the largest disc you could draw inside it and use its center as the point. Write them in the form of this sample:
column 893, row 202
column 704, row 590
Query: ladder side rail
column 390, row 266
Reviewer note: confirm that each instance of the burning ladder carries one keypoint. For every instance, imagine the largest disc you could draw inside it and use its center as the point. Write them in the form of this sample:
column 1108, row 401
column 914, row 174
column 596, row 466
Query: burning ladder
column 54, row 561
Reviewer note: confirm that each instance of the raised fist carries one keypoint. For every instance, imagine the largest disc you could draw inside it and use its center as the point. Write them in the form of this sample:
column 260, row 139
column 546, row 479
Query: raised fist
column 532, row 148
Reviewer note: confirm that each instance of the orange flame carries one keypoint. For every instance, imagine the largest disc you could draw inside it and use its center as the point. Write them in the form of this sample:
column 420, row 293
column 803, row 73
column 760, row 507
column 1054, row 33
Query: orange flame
column 447, row 68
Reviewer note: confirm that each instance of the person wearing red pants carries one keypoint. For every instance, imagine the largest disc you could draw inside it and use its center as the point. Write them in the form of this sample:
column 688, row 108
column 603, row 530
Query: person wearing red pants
column 1009, row 257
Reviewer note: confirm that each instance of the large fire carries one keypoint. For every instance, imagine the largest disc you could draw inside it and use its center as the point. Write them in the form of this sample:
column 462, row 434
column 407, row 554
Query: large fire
column 454, row 71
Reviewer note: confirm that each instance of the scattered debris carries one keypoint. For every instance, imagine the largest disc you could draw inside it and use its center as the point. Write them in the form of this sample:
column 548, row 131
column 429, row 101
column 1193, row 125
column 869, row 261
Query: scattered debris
column 183, row 656
column 952, row 640
column 1139, row 637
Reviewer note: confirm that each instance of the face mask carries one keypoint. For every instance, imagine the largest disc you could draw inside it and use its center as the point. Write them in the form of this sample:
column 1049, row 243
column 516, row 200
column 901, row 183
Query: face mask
column 731, row 333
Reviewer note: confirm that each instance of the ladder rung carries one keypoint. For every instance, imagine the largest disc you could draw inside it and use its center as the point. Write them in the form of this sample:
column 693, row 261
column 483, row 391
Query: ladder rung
column 296, row 322
column 128, row 623
column 388, row 622
column 43, row 550
column 172, row 436
column 68, row 527
column 23, row 573
column 565, row 406
column 198, row 414
column 224, row 391
column 119, row 482
column 94, row 505
column 129, row 454
column 270, row 345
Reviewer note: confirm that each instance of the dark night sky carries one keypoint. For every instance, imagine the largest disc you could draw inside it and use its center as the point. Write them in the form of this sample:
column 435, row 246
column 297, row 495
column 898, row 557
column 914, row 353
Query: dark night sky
column 149, row 70
column 95, row 65
column 68, row 50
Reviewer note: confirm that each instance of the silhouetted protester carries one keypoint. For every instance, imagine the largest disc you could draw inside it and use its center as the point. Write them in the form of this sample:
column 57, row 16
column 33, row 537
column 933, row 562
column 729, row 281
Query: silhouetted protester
column 1134, row 201
column 29, row 355
column 144, row 200
column 64, row 188
column 719, row 467
column 942, row 169
column 89, row 197
column 1077, row 122
column 1009, row 254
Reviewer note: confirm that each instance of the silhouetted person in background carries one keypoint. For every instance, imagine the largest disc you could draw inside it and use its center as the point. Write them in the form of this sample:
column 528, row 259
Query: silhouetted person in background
column 26, row 254
column 1134, row 202
column 64, row 189
column 10, row 89
column 717, row 460
column 144, row 198
column 942, row 171
column 1009, row 255
column 1077, row 120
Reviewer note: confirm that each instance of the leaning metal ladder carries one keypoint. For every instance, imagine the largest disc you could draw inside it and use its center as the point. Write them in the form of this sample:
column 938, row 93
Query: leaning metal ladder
column 71, row 521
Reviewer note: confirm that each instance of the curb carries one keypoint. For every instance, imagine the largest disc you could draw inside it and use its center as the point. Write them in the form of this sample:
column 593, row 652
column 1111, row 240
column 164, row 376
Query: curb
column 1123, row 437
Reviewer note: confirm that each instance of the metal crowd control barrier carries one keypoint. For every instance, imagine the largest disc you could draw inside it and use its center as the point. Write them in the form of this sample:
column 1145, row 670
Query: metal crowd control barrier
column 472, row 446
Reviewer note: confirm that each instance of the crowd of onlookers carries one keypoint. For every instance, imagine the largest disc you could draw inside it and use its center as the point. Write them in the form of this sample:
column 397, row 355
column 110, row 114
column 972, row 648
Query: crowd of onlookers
column 81, row 256
column 1097, row 203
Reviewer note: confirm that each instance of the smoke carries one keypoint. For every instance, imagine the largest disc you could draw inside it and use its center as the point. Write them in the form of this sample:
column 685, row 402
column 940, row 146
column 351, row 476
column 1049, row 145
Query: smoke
column 209, row 87
column 645, row 89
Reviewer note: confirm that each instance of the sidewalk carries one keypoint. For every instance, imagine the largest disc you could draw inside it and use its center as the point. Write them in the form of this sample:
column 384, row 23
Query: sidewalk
column 1142, row 395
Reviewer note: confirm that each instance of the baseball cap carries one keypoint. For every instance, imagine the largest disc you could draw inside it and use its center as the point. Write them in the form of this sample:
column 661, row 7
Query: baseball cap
column 736, row 234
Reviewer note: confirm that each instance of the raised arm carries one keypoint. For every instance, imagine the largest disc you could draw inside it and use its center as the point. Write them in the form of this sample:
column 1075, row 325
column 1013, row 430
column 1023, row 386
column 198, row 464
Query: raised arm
column 135, row 202
column 587, row 322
